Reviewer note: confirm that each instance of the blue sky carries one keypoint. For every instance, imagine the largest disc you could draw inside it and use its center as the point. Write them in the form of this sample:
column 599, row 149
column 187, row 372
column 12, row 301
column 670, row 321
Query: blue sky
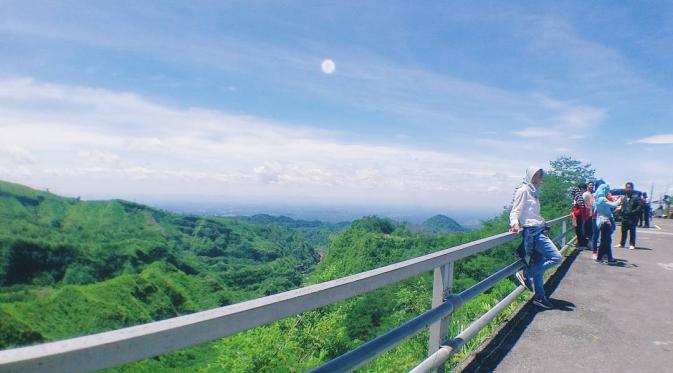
column 439, row 105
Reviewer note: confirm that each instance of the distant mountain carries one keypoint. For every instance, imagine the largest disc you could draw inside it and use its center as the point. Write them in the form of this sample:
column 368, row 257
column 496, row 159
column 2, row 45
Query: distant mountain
column 441, row 224
column 317, row 233
column 286, row 221
column 296, row 223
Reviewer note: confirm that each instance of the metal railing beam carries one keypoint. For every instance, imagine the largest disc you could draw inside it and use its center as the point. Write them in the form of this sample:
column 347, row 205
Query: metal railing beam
column 129, row 344
column 437, row 360
column 125, row 345
column 369, row 350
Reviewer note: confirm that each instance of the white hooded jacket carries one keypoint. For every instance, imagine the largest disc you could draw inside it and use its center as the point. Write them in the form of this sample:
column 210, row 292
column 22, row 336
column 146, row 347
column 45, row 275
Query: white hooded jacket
column 526, row 205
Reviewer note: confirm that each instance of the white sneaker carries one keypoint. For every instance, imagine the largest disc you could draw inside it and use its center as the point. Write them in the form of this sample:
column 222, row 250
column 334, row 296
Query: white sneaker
column 523, row 280
column 619, row 246
column 632, row 247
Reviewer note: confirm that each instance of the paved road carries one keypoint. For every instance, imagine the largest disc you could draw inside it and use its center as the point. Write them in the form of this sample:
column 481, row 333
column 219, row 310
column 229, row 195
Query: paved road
column 614, row 318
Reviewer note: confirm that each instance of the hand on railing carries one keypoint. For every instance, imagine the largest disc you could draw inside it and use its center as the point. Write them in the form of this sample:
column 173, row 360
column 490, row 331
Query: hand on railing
column 516, row 228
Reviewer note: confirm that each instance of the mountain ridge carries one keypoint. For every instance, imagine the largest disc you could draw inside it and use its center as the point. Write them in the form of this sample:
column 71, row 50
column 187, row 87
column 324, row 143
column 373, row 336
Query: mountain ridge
column 441, row 224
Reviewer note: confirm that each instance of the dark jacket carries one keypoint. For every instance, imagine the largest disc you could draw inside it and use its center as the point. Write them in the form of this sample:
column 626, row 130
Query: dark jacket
column 631, row 209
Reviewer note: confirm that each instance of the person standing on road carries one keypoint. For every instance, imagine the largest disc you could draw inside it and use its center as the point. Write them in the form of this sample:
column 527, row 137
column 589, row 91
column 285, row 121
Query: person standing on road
column 610, row 198
column 604, row 221
column 641, row 217
column 631, row 210
column 590, row 225
column 579, row 214
column 525, row 215
column 647, row 211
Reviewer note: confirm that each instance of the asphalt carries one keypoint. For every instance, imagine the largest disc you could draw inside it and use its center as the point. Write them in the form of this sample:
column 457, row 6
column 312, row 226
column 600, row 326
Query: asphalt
column 609, row 318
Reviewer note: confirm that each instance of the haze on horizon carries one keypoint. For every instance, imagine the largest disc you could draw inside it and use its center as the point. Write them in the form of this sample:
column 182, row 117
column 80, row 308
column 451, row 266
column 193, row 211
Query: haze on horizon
column 437, row 106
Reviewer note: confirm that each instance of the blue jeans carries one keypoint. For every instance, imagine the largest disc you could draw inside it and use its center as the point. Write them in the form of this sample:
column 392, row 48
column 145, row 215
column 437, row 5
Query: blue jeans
column 587, row 233
column 597, row 232
column 545, row 255
column 605, row 248
column 594, row 236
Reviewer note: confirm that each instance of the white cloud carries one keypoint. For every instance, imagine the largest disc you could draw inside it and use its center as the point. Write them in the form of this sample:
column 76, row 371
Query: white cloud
column 367, row 82
column 566, row 120
column 194, row 149
column 657, row 139
column 580, row 117
column 99, row 157
column 80, row 136
column 599, row 69
column 14, row 173
column 16, row 162
column 536, row 132
column 16, row 155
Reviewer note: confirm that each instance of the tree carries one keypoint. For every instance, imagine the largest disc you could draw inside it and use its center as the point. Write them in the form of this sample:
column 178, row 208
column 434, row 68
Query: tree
column 571, row 171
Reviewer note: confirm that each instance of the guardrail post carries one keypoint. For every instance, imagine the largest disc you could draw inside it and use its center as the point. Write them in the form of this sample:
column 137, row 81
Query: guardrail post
column 564, row 225
column 441, row 287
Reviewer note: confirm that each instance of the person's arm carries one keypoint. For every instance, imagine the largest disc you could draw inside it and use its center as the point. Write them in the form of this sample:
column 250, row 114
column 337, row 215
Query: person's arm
column 616, row 203
column 517, row 207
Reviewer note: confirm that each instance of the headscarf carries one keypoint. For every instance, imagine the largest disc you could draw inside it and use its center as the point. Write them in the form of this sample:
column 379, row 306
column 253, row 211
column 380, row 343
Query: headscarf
column 602, row 193
column 527, row 180
column 598, row 183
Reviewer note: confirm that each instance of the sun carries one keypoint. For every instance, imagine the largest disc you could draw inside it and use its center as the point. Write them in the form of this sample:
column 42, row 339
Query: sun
column 327, row 66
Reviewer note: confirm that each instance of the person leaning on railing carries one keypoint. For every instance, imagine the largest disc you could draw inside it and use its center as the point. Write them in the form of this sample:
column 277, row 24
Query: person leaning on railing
column 544, row 254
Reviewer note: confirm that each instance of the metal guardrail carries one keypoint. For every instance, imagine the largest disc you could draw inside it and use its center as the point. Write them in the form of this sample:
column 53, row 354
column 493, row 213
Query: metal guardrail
column 108, row 349
column 369, row 350
column 437, row 359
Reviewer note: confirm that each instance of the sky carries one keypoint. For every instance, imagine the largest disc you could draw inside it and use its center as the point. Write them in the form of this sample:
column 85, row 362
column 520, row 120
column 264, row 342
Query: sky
column 438, row 105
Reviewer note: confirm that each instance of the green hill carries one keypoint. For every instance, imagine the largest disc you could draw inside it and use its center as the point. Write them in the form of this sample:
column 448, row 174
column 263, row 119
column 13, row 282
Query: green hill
column 159, row 291
column 441, row 224
column 317, row 233
column 49, row 240
column 50, row 244
column 306, row 340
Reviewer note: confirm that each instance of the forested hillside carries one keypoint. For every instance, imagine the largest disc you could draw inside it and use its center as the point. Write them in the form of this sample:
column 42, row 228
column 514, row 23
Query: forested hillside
column 143, row 264
column 69, row 267
column 441, row 224
column 306, row 340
